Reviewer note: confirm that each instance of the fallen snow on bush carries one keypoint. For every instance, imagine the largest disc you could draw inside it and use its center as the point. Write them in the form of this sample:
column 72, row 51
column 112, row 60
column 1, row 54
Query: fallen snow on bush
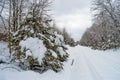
column 58, row 39
column 33, row 47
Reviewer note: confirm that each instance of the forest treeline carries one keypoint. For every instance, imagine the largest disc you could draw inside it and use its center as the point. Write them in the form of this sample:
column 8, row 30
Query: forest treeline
column 105, row 31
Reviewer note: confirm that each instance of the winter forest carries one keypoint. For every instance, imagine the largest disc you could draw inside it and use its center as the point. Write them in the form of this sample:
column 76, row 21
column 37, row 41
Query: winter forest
column 59, row 40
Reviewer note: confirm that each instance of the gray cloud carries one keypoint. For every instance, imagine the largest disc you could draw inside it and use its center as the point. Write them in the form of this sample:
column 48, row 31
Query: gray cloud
column 74, row 15
column 66, row 6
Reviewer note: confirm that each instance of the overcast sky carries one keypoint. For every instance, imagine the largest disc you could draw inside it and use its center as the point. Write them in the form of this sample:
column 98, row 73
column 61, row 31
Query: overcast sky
column 74, row 15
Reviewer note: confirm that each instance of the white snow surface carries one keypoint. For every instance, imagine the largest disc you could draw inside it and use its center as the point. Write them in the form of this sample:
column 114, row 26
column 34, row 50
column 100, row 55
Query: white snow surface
column 83, row 64
column 34, row 47
column 4, row 52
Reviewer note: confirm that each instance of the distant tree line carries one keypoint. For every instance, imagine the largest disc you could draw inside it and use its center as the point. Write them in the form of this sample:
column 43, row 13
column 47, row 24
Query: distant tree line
column 105, row 30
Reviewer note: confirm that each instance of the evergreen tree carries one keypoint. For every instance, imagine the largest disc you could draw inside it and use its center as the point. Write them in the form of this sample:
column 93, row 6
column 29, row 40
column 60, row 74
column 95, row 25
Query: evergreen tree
column 35, row 46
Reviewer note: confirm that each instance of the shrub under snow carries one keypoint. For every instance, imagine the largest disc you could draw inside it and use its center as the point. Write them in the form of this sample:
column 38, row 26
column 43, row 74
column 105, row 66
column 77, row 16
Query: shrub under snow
column 33, row 47
column 41, row 53
column 34, row 44
column 38, row 47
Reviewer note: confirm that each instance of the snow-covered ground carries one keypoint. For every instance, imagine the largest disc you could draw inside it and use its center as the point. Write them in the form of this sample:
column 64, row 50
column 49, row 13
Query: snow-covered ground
column 95, row 65
column 83, row 64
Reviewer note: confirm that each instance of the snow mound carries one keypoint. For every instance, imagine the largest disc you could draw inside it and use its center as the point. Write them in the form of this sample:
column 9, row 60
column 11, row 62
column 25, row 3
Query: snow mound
column 33, row 47
column 9, row 68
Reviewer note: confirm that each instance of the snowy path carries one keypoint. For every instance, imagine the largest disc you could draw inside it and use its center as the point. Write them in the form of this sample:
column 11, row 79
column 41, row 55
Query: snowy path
column 95, row 65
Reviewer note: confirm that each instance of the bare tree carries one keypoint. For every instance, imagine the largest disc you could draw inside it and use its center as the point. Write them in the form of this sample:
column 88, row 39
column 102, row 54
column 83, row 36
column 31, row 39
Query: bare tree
column 2, row 5
column 105, row 30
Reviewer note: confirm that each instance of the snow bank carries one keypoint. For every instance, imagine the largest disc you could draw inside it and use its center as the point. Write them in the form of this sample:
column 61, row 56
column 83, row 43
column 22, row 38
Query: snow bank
column 33, row 47
column 31, row 75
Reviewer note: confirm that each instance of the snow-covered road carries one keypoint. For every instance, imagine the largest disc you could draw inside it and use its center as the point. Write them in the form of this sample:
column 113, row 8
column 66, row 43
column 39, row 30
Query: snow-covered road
column 95, row 65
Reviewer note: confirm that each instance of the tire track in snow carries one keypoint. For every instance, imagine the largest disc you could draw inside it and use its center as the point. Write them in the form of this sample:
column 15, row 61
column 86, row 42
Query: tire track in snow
column 94, row 73
column 94, row 65
column 115, row 63
column 105, row 60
